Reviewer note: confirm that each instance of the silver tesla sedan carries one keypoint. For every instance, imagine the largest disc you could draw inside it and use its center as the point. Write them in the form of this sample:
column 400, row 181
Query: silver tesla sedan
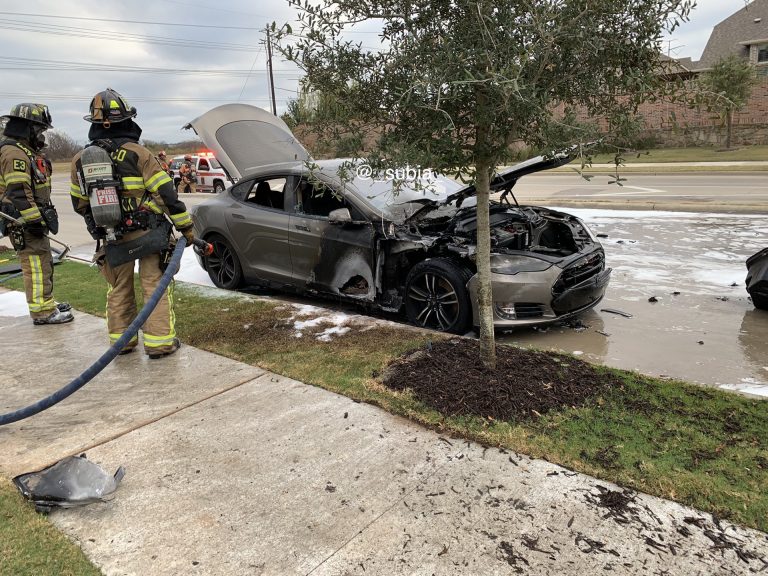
column 328, row 228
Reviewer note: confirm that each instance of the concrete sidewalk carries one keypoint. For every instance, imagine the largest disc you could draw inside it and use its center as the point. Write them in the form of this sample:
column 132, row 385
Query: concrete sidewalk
column 234, row 470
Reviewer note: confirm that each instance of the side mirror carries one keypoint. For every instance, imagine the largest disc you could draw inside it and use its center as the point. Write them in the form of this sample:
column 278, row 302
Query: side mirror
column 340, row 216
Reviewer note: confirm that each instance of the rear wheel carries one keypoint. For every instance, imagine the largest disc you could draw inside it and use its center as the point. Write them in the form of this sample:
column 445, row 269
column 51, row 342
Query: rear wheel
column 223, row 265
column 436, row 296
column 218, row 186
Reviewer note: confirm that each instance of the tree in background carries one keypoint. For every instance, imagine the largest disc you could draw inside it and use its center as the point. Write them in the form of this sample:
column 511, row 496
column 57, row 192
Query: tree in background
column 726, row 88
column 457, row 84
column 60, row 146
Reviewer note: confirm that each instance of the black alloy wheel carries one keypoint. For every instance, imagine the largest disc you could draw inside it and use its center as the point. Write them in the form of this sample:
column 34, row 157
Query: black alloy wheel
column 222, row 265
column 436, row 296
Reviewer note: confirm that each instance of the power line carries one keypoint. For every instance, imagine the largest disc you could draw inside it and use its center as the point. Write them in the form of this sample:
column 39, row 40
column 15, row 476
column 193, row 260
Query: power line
column 178, row 24
column 118, row 36
column 35, row 64
column 82, row 98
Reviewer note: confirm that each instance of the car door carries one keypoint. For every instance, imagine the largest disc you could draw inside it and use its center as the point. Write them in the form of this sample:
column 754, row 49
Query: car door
column 258, row 224
column 332, row 258
column 203, row 173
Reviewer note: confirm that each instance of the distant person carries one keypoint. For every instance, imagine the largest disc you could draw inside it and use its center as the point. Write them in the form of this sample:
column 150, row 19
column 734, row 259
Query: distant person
column 188, row 175
column 148, row 208
column 163, row 159
column 25, row 194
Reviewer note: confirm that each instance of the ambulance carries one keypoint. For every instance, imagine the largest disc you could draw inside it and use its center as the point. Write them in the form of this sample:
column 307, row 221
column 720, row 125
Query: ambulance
column 211, row 177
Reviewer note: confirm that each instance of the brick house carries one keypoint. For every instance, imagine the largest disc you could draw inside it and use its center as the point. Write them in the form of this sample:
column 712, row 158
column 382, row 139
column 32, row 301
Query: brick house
column 743, row 34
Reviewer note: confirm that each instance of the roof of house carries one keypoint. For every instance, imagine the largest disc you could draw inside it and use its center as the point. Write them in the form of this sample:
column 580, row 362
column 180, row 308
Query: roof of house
column 732, row 36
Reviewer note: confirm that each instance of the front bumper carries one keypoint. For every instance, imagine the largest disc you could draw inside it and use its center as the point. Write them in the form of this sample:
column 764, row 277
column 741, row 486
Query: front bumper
column 530, row 295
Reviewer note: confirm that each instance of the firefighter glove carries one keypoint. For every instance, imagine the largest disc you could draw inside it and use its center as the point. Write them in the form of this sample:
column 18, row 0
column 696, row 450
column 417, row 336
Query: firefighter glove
column 189, row 234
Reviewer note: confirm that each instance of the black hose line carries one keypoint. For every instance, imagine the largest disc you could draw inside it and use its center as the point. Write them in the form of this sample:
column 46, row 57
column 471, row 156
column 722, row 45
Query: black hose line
column 11, row 277
column 111, row 353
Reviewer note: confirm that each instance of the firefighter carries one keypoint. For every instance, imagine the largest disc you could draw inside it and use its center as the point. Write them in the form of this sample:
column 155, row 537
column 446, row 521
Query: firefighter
column 188, row 175
column 25, row 194
column 148, row 209
column 163, row 159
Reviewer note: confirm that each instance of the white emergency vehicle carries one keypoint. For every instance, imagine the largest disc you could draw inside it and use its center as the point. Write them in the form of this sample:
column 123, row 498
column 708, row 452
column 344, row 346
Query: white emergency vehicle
column 211, row 177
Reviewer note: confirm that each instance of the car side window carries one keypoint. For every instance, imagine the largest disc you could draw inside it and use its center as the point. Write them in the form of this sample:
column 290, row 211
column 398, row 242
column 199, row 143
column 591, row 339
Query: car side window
column 317, row 199
column 269, row 193
column 203, row 165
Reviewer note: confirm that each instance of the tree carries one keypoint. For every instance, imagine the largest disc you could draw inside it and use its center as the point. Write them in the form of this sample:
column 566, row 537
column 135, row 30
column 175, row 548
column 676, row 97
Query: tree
column 726, row 89
column 60, row 146
column 457, row 83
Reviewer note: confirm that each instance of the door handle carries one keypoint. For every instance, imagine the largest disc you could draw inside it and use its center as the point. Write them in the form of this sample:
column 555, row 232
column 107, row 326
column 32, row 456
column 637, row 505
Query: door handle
column 302, row 228
column 238, row 216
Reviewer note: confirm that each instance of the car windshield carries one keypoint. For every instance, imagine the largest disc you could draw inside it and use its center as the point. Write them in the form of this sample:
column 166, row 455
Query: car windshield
column 397, row 200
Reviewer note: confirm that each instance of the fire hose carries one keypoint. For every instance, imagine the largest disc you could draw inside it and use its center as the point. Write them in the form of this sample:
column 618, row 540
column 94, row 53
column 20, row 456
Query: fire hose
column 173, row 267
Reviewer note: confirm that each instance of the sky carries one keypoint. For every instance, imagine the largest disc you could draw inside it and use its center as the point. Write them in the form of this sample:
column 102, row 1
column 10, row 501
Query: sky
column 191, row 56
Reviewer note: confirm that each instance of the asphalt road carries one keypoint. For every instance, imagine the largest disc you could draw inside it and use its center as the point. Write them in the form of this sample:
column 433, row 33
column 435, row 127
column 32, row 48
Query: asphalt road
column 731, row 192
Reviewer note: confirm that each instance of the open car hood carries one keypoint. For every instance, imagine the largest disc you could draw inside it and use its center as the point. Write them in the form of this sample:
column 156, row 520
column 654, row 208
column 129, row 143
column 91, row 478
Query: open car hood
column 508, row 178
column 244, row 138
column 504, row 180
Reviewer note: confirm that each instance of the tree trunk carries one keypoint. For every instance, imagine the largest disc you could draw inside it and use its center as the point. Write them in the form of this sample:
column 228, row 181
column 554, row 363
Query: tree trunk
column 728, row 124
column 483, row 261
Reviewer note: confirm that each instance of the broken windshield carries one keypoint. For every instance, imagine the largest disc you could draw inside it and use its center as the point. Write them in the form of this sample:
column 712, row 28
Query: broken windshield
column 399, row 200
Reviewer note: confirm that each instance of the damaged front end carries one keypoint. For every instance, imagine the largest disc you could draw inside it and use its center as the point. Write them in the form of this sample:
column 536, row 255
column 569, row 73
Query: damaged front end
column 545, row 265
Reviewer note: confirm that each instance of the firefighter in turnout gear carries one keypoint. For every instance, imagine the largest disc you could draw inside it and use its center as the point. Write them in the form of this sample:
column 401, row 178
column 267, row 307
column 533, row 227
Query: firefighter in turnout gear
column 188, row 175
column 130, row 205
column 25, row 194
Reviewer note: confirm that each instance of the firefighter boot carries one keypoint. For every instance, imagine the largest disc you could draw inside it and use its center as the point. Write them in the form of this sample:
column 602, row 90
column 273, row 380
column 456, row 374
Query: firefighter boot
column 55, row 317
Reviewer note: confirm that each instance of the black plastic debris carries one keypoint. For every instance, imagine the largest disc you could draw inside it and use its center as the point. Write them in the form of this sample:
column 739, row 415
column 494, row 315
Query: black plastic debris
column 653, row 299
column 73, row 481
column 614, row 311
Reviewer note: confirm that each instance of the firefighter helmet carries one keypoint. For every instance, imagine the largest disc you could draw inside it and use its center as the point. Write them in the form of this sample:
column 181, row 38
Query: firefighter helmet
column 108, row 107
column 188, row 157
column 161, row 154
column 36, row 113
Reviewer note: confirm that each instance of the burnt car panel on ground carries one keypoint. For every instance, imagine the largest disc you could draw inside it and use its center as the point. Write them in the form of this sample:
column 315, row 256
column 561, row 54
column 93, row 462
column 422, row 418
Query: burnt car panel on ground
column 757, row 279
column 296, row 225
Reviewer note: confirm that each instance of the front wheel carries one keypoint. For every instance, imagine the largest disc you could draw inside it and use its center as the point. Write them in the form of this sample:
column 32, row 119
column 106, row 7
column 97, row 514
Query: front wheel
column 218, row 186
column 223, row 265
column 436, row 296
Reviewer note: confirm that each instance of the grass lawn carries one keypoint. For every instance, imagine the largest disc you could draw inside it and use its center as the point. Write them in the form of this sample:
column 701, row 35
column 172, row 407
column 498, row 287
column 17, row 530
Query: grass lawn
column 702, row 447
column 744, row 154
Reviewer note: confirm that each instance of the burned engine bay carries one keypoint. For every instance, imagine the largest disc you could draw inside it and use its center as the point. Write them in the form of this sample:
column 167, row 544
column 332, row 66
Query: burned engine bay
column 513, row 229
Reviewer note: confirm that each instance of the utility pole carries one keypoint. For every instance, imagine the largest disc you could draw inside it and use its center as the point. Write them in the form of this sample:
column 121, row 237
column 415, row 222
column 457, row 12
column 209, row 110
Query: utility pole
column 269, row 69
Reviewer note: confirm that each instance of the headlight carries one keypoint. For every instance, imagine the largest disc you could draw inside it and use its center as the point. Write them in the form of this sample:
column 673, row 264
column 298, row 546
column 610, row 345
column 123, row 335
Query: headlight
column 511, row 265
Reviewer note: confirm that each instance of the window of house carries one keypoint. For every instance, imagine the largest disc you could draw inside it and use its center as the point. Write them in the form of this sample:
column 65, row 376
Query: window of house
column 267, row 193
column 762, row 53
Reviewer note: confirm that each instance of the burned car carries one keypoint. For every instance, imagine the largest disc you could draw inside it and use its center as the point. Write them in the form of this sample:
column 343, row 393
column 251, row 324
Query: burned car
column 294, row 224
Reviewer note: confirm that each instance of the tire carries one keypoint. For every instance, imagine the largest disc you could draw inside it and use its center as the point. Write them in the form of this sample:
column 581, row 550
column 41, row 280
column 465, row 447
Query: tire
column 218, row 186
column 436, row 296
column 223, row 266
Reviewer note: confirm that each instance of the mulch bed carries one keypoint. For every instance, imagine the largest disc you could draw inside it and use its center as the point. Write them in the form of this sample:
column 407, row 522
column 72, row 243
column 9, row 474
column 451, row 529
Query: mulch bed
column 449, row 376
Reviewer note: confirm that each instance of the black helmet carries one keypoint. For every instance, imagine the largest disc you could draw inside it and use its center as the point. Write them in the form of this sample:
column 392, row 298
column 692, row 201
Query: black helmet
column 35, row 113
column 108, row 107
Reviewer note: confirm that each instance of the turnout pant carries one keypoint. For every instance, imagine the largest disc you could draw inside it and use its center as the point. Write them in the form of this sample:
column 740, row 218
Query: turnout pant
column 159, row 329
column 187, row 186
column 37, row 268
